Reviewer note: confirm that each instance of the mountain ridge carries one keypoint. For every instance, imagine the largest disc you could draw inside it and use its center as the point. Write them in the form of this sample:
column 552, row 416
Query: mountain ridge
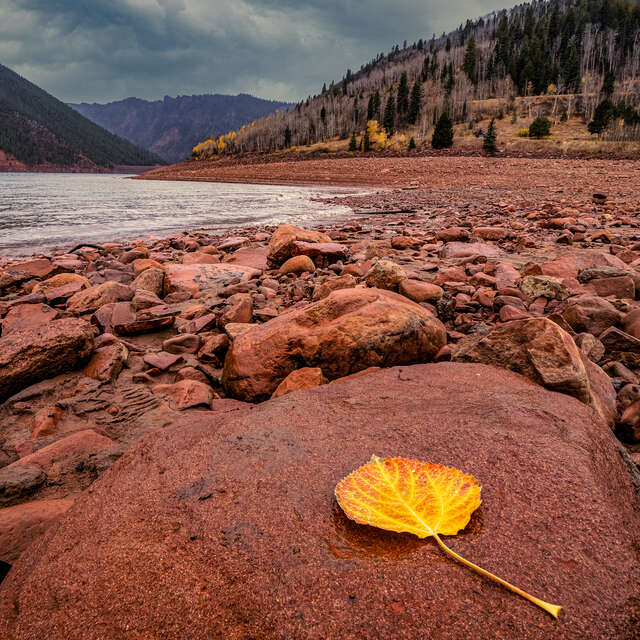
column 171, row 126
column 37, row 129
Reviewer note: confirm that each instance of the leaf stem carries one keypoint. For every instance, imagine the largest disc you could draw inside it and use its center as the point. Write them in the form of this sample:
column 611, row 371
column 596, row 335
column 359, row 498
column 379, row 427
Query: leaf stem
column 553, row 609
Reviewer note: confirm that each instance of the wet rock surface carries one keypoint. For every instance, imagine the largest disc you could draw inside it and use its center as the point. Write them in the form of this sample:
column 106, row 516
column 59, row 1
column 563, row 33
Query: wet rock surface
column 217, row 509
column 102, row 347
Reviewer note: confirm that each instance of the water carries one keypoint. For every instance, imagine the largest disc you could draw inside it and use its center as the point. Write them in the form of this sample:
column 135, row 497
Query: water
column 45, row 211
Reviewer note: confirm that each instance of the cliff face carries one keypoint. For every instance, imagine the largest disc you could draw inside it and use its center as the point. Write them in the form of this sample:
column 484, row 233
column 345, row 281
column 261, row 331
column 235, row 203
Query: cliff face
column 172, row 126
column 40, row 131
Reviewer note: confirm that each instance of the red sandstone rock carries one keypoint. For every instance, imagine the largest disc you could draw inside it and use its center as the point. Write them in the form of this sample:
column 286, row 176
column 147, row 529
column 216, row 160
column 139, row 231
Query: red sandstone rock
column 27, row 316
column 61, row 280
column 93, row 298
column 351, row 330
column 322, row 253
column 298, row 264
column 419, row 291
column 30, row 355
column 252, row 491
column 280, row 244
column 107, row 362
column 199, row 257
column 186, row 393
column 198, row 279
column 385, row 274
column 591, row 314
column 304, row 378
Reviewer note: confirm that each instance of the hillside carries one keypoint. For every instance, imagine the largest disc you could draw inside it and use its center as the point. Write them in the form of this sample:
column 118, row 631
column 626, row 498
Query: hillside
column 576, row 52
column 170, row 127
column 38, row 130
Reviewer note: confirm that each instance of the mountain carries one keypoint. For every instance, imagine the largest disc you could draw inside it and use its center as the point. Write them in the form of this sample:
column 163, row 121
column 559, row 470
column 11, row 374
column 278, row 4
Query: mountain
column 36, row 129
column 558, row 57
column 171, row 127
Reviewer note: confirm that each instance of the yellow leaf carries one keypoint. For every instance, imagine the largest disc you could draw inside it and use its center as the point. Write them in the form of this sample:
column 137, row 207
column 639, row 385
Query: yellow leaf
column 422, row 498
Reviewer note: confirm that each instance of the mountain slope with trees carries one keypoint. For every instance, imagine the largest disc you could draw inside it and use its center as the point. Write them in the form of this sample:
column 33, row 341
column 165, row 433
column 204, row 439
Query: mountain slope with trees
column 574, row 53
column 37, row 129
column 170, row 127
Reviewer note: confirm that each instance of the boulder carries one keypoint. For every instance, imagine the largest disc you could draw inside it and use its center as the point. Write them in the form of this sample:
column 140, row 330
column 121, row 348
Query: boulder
column 385, row 274
column 297, row 265
column 304, row 378
column 60, row 280
column 419, row 291
column 280, row 244
column 348, row 331
column 151, row 279
column 590, row 314
column 620, row 287
column 186, row 393
column 27, row 316
column 464, row 250
column 93, row 298
column 225, row 525
column 540, row 350
column 18, row 482
column 322, row 253
column 31, row 355
column 107, row 362
column 23, row 524
column 198, row 279
column 346, row 281
column 255, row 257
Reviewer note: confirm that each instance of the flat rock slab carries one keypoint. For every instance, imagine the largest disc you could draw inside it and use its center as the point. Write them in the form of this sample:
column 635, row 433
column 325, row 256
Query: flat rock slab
column 225, row 525
column 197, row 279
column 28, row 356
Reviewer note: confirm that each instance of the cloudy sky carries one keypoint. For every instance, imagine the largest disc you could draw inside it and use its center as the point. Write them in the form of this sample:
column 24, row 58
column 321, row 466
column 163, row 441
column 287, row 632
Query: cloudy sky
column 103, row 50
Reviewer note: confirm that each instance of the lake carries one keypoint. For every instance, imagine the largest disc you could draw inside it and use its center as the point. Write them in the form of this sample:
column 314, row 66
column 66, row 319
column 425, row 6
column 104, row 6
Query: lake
column 43, row 211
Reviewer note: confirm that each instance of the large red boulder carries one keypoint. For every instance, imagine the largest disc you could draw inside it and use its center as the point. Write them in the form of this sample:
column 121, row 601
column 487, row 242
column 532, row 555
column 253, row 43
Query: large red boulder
column 350, row 330
column 225, row 525
column 281, row 242
column 31, row 355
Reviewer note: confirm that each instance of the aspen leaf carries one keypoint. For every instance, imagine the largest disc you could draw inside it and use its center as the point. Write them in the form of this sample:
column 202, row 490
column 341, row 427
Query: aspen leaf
column 422, row 498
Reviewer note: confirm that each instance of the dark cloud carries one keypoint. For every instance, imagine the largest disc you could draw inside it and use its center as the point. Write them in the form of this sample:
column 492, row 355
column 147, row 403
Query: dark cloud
column 102, row 50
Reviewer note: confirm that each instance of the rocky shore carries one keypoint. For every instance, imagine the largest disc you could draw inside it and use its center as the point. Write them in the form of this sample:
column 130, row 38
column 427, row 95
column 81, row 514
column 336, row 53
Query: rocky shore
column 236, row 378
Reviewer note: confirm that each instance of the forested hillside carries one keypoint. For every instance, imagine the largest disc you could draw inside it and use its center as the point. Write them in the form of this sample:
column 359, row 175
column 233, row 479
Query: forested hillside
column 578, row 53
column 171, row 127
column 38, row 129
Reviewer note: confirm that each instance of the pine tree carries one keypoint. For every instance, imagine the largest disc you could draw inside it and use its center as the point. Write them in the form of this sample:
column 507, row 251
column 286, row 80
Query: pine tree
column 470, row 61
column 416, row 102
column 366, row 143
column 370, row 108
column 377, row 105
column 353, row 143
column 323, row 115
column 389, row 116
column 287, row 137
column 443, row 133
column 608, row 85
column 412, row 144
column 489, row 145
column 403, row 95
column 603, row 114
column 355, row 110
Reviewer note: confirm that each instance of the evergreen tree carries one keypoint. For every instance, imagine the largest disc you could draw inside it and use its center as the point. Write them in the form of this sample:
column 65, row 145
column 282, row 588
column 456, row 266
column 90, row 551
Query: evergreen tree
column 287, row 137
column 323, row 115
column 489, row 145
column 377, row 106
column 608, row 85
column 603, row 114
column 388, row 121
column 470, row 60
column 403, row 95
column 366, row 143
column 416, row 102
column 370, row 109
column 540, row 127
column 353, row 143
column 356, row 115
column 443, row 133
column 412, row 144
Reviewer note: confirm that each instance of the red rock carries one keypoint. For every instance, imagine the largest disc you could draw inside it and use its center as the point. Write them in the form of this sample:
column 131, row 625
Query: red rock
column 590, row 314
column 490, row 233
column 198, row 257
column 297, row 264
column 228, row 487
column 419, row 291
column 304, row 378
column 453, row 234
column 142, row 264
column 540, row 350
column 93, row 298
column 23, row 524
column 280, row 244
column 132, row 255
column 28, row 356
column 190, row 373
column 186, row 393
column 214, row 348
column 322, row 253
column 198, row 279
column 38, row 268
column 151, row 280
column 27, row 316
column 45, row 421
column 405, row 242
column 61, row 280
column 622, row 287
column 630, row 422
column 239, row 310
column 509, row 313
column 358, row 374
column 65, row 454
column 351, row 330
column 146, row 321
column 255, row 257
column 185, row 343
column 162, row 360
column 107, row 362
column 464, row 250
column 631, row 323
column 234, row 242
column 17, row 482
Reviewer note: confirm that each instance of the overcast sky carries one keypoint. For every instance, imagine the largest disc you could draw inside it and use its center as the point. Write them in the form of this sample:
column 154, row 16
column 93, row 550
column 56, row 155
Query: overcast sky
column 103, row 50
